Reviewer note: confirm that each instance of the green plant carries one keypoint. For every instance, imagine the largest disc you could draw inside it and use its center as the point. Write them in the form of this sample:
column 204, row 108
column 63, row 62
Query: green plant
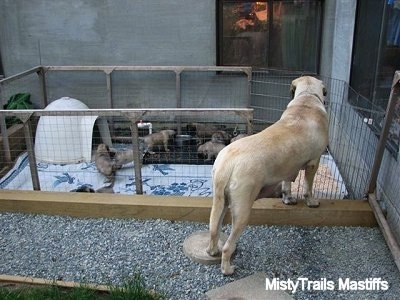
column 132, row 289
column 16, row 102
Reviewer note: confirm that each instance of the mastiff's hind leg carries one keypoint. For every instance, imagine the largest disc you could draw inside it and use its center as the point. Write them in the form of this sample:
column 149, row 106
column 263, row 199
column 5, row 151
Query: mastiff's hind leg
column 310, row 171
column 218, row 211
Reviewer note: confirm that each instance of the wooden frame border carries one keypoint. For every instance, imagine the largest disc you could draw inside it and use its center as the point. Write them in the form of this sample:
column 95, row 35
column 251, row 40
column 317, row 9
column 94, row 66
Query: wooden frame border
column 34, row 281
column 269, row 211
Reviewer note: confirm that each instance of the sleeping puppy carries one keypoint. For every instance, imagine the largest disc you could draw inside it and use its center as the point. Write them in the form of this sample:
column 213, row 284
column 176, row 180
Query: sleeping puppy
column 84, row 189
column 123, row 157
column 105, row 165
column 87, row 189
column 126, row 156
column 157, row 139
column 259, row 162
column 210, row 149
column 220, row 136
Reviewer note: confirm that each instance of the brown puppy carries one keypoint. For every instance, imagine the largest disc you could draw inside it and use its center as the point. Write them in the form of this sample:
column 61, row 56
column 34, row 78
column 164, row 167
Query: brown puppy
column 203, row 130
column 220, row 136
column 210, row 149
column 253, row 164
column 104, row 163
column 157, row 139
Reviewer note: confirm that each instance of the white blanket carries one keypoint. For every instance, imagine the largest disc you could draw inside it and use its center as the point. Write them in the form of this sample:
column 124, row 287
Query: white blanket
column 158, row 179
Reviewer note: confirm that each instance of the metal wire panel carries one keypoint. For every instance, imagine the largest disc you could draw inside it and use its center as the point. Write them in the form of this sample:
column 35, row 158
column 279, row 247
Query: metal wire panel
column 354, row 122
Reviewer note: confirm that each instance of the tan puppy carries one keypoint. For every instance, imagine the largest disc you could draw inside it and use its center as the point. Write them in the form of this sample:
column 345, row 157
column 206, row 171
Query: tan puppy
column 220, row 136
column 157, row 139
column 123, row 157
column 259, row 162
column 210, row 149
column 104, row 163
column 204, row 131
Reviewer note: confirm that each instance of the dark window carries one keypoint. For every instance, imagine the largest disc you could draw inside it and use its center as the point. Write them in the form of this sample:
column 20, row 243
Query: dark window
column 1, row 69
column 270, row 34
column 376, row 57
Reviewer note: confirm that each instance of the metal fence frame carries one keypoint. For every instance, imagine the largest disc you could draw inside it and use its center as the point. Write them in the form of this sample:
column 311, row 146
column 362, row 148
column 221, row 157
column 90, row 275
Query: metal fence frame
column 133, row 115
column 41, row 71
column 339, row 108
column 345, row 115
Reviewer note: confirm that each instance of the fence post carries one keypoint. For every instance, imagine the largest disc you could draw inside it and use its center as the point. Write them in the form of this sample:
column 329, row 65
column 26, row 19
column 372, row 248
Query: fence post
column 42, row 76
column 394, row 97
column 248, row 72
column 137, row 159
column 25, row 118
column 178, row 92
column 108, row 72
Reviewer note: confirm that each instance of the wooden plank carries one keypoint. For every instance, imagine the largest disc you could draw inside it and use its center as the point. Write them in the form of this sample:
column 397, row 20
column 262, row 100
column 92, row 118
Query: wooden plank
column 385, row 228
column 11, row 279
column 269, row 211
column 246, row 70
column 20, row 75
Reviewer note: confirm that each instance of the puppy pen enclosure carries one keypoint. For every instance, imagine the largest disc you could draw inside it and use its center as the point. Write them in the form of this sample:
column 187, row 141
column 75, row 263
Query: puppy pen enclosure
column 195, row 102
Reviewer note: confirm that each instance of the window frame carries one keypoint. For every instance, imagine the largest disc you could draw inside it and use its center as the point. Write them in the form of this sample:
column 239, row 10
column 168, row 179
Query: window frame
column 219, row 35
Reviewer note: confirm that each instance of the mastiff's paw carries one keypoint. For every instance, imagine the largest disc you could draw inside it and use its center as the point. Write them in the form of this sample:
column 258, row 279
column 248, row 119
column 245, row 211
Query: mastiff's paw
column 312, row 202
column 289, row 200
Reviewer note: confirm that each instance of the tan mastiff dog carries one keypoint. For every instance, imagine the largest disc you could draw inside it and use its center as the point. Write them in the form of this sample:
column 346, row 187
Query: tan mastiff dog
column 261, row 161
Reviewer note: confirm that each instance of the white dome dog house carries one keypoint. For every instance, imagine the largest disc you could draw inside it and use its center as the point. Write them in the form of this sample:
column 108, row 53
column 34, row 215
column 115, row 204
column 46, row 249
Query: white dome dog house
column 67, row 139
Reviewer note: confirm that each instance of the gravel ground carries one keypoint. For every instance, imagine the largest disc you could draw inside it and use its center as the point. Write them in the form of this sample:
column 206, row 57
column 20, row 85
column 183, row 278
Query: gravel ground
column 107, row 251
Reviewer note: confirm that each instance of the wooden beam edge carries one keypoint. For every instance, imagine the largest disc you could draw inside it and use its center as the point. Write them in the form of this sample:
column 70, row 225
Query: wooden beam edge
column 13, row 279
column 269, row 211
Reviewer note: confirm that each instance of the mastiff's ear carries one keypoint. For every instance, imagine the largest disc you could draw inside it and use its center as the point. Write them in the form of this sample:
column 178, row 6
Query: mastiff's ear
column 293, row 87
column 324, row 91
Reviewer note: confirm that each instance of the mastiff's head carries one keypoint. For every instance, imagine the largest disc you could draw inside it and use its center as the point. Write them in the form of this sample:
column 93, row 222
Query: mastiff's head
column 308, row 85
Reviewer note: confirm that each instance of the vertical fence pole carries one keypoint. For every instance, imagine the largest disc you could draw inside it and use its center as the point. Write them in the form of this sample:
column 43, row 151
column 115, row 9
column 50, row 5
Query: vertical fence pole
column 178, row 92
column 248, row 72
column 394, row 97
column 31, row 152
column 137, row 159
column 3, row 128
column 42, row 76
column 178, row 88
column 108, row 72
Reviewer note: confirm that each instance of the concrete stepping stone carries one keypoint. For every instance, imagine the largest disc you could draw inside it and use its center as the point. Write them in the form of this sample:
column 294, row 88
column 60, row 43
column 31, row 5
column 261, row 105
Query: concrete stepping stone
column 248, row 288
column 196, row 244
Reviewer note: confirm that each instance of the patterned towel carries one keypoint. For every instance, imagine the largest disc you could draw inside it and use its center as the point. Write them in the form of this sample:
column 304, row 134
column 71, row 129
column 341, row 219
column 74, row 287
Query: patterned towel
column 158, row 179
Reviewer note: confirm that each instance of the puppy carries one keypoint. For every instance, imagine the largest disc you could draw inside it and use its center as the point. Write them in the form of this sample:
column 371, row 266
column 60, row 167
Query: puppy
column 126, row 156
column 238, row 137
column 204, row 131
column 220, row 136
column 83, row 189
column 87, row 189
column 157, row 139
column 259, row 162
column 123, row 157
column 105, row 165
column 210, row 149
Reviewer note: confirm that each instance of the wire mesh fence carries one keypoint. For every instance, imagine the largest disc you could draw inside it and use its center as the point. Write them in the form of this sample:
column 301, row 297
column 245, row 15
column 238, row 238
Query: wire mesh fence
column 354, row 127
column 161, row 152
column 344, row 170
